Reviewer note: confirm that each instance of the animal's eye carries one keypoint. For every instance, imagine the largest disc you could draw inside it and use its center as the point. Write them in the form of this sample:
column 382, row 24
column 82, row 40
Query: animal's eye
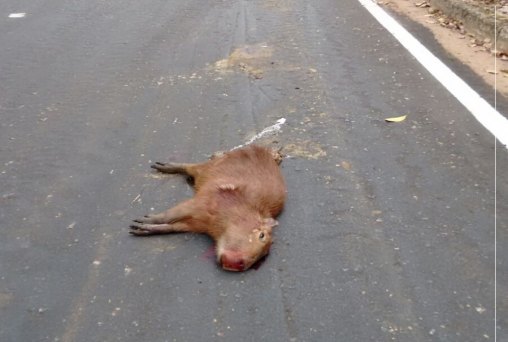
column 261, row 236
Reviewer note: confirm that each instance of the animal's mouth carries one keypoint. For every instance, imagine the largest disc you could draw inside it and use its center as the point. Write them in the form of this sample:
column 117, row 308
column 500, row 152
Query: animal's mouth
column 235, row 265
column 236, row 261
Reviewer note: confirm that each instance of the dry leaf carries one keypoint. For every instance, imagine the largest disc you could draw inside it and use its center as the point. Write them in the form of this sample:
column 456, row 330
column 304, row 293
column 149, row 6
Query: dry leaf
column 396, row 119
column 494, row 72
column 345, row 165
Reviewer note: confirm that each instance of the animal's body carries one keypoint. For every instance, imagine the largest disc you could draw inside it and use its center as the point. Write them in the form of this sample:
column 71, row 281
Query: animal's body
column 238, row 195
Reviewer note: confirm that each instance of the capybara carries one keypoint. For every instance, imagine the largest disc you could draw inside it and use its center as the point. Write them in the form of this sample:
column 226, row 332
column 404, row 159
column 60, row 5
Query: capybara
column 238, row 195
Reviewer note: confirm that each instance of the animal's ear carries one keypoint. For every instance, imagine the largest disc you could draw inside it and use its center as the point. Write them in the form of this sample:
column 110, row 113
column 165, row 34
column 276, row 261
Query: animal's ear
column 227, row 187
column 229, row 191
column 270, row 222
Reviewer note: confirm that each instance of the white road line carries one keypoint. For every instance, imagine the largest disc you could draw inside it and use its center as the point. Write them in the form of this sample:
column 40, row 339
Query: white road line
column 481, row 109
column 17, row 15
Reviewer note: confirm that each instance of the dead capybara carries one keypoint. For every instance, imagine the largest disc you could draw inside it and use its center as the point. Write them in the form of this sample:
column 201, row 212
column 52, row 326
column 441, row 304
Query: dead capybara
column 238, row 195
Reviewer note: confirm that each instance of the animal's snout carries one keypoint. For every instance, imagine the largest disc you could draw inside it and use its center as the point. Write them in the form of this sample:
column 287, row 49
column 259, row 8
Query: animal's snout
column 232, row 262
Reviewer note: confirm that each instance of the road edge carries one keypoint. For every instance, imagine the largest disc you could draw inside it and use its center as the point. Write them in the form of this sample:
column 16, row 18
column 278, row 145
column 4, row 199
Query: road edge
column 477, row 21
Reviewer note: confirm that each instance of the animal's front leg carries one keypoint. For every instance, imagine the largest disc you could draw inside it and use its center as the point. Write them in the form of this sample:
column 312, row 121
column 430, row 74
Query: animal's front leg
column 172, row 215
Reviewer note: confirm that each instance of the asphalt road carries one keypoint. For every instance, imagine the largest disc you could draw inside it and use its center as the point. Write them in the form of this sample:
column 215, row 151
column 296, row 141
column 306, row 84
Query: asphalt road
column 388, row 231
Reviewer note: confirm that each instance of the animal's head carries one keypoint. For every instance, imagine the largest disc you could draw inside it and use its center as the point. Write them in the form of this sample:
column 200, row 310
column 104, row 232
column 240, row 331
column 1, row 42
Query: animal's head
column 241, row 249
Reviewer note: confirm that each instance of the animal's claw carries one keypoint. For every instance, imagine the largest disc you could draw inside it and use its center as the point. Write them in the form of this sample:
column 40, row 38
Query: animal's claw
column 138, row 230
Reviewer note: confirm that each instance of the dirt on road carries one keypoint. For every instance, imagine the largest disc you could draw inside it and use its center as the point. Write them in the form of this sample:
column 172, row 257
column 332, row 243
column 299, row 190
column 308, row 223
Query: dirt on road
column 478, row 54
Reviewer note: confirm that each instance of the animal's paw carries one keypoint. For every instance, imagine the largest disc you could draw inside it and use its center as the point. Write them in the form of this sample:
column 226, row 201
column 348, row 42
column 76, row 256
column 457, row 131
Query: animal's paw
column 140, row 229
column 277, row 155
column 162, row 167
column 217, row 154
column 141, row 220
column 137, row 230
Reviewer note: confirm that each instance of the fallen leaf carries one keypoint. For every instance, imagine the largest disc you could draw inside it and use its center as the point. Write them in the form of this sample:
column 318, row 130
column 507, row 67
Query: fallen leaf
column 345, row 165
column 494, row 72
column 504, row 71
column 396, row 119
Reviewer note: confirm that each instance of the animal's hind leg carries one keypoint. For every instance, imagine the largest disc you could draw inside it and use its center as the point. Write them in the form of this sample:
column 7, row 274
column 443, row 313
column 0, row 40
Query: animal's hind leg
column 143, row 229
column 181, row 168
column 192, row 170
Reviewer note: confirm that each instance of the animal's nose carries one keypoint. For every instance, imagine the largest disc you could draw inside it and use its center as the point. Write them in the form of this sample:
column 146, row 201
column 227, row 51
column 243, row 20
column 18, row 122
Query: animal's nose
column 232, row 264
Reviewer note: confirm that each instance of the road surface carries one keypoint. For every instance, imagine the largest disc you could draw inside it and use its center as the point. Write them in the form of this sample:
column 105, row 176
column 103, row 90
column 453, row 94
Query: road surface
column 388, row 231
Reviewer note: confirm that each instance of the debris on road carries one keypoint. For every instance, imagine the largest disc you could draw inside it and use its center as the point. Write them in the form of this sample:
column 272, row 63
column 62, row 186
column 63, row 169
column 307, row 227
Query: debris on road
column 396, row 119
column 249, row 59
column 273, row 129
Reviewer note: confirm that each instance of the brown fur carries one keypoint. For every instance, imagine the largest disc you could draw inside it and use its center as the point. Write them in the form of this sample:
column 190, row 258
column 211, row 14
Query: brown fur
column 238, row 195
